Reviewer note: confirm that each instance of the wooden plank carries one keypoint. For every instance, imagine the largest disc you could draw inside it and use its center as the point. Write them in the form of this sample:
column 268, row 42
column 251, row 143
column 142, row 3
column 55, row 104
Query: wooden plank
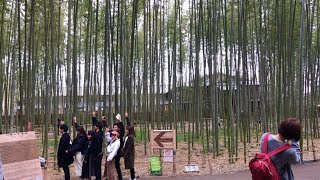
column 162, row 139
column 19, row 156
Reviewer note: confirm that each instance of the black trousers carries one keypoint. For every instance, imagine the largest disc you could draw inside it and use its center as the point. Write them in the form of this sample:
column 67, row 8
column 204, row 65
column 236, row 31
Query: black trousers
column 117, row 164
column 66, row 173
column 97, row 167
column 132, row 173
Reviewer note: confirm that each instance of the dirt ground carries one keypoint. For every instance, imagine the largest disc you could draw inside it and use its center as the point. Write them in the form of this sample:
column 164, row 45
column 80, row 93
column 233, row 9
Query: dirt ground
column 206, row 163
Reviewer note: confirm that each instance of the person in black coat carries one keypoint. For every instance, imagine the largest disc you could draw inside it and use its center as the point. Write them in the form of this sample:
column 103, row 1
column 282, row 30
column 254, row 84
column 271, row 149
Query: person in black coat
column 87, row 168
column 77, row 149
column 58, row 124
column 79, row 143
column 64, row 159
column 94, row 118
column 96, row 149
column 129, row 151
column 119, row 127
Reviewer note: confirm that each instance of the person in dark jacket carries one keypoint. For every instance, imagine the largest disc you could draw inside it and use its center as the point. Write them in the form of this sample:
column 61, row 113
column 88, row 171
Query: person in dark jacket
column 87, row 168
column 121, row 129
column 58, row 124
column 64, row 159
column 94, row 118
column 77, row 149
column 128, row 151
column 96, row 149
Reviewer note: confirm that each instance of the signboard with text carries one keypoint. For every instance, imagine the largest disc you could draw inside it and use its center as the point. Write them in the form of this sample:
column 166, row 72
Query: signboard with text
column 191, row 168
column 165, row 140
column 19, row 156
column 155, row 166
column 167, row 155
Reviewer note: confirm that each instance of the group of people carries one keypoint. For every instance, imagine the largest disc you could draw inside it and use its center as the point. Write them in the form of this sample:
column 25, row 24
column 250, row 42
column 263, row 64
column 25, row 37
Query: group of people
column 86, row 152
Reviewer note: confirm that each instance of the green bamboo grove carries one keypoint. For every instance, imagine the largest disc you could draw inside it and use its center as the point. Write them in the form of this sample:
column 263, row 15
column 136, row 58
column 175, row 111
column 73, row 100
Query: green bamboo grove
column 220, row 72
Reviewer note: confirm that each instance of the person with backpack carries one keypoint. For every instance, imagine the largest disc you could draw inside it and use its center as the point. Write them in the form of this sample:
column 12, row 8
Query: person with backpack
column 64, row 159
column 278, row 153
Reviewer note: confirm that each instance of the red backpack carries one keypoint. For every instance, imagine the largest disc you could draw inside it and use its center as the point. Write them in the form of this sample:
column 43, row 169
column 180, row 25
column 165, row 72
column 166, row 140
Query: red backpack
column 261, row 166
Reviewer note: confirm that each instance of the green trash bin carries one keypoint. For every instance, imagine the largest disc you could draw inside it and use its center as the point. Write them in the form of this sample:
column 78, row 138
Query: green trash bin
column 155, row 165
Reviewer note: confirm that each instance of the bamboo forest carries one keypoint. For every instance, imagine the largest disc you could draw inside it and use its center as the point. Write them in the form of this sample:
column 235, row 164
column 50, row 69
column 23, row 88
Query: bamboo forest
column 219, row 72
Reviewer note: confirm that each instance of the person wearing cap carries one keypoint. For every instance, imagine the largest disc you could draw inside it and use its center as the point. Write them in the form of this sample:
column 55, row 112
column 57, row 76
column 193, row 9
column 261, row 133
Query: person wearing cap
column 64, row 159
column 112, row 151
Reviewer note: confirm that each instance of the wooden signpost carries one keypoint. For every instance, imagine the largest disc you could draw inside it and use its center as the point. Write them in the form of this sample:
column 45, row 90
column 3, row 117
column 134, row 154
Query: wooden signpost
column 19, row 156
column 164, row 140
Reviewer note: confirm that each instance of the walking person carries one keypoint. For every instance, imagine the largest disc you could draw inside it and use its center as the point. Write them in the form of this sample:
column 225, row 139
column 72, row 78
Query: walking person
column 96, row 149
column 64, row 159
column 129, row 151
column 112, row 151
column 289, row 131
column 87, row 168
column 77, row 150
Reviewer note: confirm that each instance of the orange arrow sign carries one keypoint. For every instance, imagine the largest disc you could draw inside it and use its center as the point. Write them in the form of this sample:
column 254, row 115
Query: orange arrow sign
column 160, row 140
